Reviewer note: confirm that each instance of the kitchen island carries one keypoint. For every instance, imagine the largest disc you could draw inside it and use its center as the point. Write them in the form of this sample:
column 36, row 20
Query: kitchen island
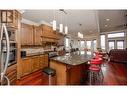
column 71, row 67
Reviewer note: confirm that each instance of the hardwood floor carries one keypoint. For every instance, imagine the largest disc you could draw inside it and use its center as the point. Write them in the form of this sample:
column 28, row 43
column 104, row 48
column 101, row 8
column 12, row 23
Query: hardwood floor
column 31, row 79
column 114, row 74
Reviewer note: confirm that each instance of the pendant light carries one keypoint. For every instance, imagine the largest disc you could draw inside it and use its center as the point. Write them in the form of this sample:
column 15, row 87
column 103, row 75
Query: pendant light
column 66, row 28
column 54, row 25
column 54, row 21
column 61, row 28
column 61, row 25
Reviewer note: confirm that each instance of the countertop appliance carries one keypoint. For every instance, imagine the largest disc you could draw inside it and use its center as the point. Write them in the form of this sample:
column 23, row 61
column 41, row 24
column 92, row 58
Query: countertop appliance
column 52, row 54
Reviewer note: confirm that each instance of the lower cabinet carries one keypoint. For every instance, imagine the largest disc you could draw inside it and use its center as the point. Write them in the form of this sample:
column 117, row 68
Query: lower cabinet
column 33, row 63
column 25, row 66
column 43, row 61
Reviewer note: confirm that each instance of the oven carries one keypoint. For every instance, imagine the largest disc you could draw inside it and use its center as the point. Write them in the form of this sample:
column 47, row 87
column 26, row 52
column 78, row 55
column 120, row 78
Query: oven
column 12, row 54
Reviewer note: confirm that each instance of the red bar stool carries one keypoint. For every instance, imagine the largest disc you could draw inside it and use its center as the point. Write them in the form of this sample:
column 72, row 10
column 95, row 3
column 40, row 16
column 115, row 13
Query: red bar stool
column 96, row 75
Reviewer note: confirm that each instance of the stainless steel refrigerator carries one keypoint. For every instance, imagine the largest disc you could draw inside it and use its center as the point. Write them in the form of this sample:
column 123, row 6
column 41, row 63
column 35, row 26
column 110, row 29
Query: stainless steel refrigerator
column 4, row 59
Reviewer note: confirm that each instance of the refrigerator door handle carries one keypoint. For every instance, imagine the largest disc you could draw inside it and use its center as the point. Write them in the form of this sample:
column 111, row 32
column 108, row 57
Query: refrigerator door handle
column 4, row 29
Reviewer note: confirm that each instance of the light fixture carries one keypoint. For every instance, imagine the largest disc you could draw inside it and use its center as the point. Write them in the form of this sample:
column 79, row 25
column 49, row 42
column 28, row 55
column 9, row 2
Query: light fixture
column 106, row 25
column 66, row 29
column 54, row 21
column 54, row 25
column 61, row 28
column 61, row 25
column 80, row 35
column 107, row 19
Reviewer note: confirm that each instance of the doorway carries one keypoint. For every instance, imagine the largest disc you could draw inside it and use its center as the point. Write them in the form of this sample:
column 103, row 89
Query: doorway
column 115, row 44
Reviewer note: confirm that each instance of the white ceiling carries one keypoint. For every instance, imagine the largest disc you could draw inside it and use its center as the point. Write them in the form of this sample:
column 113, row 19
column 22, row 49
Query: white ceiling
column 88, row 18
column 117, row 18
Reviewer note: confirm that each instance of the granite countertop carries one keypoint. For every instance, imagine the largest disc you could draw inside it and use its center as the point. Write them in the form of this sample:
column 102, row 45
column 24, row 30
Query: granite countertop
column 74, row 58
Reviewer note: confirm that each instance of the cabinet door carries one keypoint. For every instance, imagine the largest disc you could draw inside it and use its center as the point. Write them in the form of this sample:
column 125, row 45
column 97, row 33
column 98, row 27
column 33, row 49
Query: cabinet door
column 30, row 34
column 26, row 66
column 37, row 35
column 26, row 34
column 23, row 36
column 46, row 31
column 42, row 61
column 35, row 63
column 46, row 60
column 12, row 18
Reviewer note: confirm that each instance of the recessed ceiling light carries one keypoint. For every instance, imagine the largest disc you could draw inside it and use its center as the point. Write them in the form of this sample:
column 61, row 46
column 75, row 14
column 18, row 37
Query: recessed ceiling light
column 106, row 25
column 107, row 19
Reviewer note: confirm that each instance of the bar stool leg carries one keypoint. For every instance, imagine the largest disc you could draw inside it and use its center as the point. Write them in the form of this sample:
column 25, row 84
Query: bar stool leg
column 49, row 79
column 102, row 76
column 90, row 77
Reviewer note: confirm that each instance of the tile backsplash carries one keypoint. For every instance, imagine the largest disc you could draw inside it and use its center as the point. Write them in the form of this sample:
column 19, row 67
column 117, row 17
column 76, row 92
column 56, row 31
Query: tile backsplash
column 33, row 50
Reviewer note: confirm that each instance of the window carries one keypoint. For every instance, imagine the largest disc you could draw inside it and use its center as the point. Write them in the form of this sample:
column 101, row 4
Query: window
column 82, row 43
column 103, row 41
column 94, row 44
column 67, row 42
column 88, row 44
column 116, row 35
column 120, row 44
column 111, row 45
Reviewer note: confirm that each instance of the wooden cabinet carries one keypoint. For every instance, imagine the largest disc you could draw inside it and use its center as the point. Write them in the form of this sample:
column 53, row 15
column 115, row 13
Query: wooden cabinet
column 25, row 66
column 12, row 74
column 33, row 63
column 26, row 34
column 69, row 74
column 48, row 35
column 46, row 31
column 43, row 61
column 37, row 35
column 10, row 17
column 46, row 59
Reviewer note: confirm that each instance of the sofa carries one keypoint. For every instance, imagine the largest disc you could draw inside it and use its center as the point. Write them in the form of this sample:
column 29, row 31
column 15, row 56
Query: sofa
column 118, row 55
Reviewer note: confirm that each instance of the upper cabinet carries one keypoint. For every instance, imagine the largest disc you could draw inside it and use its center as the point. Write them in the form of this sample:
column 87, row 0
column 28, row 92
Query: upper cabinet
column 37, row 35
column 10, row 17
column 26, row 34
column 48, row 35
column 46, row 31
